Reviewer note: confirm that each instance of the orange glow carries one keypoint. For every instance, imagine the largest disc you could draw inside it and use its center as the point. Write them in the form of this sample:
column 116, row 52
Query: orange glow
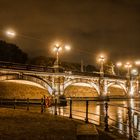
column 67, row 47
column 10, row 33
column 119, row 64
column 128, row 65
column 137, row 62
column 101, row 58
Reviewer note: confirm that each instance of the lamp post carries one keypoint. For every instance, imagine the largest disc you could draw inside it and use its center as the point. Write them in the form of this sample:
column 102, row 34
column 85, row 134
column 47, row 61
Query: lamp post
column 102, row 81
column 101, row 61
column 58, row 85
column 128, row 66
column 129, row 82
column 137, row 63
column 132, row 76
column 119, row 64
column 58, row 48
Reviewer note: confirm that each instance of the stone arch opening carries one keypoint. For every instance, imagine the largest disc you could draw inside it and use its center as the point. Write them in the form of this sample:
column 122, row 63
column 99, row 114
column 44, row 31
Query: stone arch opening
column 80, row 89
column 20, row 89
column 44, row 83
column 116, row 89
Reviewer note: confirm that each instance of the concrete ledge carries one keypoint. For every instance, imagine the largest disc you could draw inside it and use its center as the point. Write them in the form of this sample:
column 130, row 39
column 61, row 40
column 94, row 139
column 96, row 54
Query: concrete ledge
column 103, row 135
column 87, row 132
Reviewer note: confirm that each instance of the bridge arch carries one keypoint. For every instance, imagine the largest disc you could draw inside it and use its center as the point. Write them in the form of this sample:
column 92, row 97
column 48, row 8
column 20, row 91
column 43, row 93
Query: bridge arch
column 33, row 78
column 117, row 83
column 79, row 81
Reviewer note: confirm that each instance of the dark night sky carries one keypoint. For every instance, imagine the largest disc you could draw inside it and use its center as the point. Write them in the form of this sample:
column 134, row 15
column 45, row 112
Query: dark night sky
column 90, row 26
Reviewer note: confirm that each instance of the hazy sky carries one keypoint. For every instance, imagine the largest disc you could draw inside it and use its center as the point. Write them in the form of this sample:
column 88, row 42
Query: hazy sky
column 90, row 26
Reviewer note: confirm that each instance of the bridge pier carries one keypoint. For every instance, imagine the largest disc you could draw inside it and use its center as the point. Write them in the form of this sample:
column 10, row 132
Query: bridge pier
column 103, row 88
column 131, row 88
column 58, row 86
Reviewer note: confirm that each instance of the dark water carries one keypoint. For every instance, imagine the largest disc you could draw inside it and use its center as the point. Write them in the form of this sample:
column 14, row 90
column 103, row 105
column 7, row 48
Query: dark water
column 117, row 112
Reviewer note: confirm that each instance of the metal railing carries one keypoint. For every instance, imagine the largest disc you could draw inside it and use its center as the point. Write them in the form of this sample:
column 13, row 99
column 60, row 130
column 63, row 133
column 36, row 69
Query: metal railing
column 19, row 66
column 85, row 115
column 106, row 118
column 24, row 104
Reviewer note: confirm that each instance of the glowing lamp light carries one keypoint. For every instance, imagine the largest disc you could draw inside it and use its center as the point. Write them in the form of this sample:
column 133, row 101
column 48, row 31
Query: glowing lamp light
column 54, row 49
column 119, row 64
column 137, row 62
column 57, row 49
column 134, row 72
column 67, row 47
column 57, row 45
column 128, row 65
column 10, row 33
column 101, row 58
column 60, row 49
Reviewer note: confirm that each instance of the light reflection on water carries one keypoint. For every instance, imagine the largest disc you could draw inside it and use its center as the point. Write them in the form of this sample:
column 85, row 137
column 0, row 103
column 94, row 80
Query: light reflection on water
column 118, row 115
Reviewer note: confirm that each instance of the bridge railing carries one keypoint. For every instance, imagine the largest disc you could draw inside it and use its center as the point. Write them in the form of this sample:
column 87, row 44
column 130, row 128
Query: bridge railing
column 102, row 119
column 97, row 74
column 19, row 66
column 29, row 67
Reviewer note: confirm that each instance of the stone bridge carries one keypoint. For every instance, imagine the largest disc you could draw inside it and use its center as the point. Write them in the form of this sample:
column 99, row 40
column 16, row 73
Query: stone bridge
column 57, row 82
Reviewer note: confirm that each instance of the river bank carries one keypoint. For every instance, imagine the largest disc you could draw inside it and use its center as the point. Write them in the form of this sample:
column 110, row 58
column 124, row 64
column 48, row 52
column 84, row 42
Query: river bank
column 20, row 124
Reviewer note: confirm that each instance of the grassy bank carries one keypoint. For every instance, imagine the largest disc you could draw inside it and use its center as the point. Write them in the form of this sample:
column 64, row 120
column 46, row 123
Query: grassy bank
column 23, row 125
column 32, row 125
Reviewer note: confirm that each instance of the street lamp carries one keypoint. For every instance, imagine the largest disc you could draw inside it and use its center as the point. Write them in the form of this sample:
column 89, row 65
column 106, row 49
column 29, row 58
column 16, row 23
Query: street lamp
column 101, row 61
column 119, row 64
column 128, row 66
column 137, row 62
column 58, row 48
column 10, row 33
column 134, row 71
